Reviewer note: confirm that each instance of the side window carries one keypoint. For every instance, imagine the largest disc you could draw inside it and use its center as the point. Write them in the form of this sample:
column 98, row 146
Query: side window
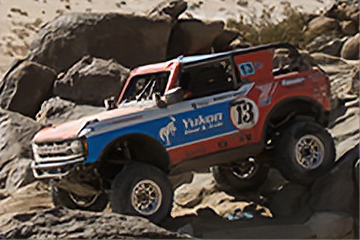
column 142, row 87
column 207, row 79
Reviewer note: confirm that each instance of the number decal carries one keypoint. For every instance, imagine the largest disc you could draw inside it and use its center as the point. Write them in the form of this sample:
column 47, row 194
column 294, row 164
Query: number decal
column 244, row 113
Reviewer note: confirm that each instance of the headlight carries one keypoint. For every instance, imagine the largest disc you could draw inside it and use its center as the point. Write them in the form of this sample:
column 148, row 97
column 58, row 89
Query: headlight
column 77, row 146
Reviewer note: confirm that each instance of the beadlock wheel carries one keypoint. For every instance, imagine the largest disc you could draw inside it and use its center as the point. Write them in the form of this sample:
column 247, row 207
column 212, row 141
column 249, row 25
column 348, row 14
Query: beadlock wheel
column 140, row 189
column 247, row 175
column 146, row 197
column 304, row 152
column 246, row 170
column 309, row 152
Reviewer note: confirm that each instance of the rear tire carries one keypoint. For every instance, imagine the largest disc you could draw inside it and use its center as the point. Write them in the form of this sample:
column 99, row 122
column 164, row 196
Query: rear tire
column 304, row 152
column 240, row 178
column 142, row 190
column 63, row 198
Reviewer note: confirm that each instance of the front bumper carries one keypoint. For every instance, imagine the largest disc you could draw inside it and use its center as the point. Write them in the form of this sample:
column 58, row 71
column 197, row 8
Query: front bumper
column 43, row 170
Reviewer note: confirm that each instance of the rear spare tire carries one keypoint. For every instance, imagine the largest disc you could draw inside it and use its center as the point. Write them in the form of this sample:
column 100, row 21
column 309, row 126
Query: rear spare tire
column 142, row 190
column 304, row 152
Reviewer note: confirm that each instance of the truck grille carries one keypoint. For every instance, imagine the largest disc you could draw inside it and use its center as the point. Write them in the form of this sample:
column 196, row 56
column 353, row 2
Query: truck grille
column 58, row 151
column 55, row 159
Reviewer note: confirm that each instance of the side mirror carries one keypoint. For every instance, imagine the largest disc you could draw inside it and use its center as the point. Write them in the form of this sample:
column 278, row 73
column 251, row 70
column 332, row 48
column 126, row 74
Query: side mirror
column 110, row 103
column 159, row 102
column 174, row 95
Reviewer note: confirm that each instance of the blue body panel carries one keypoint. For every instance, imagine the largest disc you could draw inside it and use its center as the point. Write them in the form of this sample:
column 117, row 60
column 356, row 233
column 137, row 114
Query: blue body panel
column 172, row 130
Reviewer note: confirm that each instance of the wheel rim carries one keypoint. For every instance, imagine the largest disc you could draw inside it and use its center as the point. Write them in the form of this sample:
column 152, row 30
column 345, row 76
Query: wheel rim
column 146, row 197
column 83, row 201
column 246, row 170
column 309, row 152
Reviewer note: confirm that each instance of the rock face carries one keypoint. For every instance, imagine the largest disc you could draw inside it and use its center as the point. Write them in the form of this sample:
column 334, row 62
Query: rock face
column 130, row 40
column 16, row 132
column 91, row 80
column 25, row 87
column 56, row 111
column 64, row 223
column 350, row 50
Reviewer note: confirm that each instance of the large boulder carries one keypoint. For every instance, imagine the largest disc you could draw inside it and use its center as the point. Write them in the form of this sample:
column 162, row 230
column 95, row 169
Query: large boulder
column 74, row 224
column 91, row 80
column 335, row 191
column 340, row 72
column 16, row 132
column 327, row 44
column 355, row 85
column 289, row 200
column 349, row 27
column 193, row 36
column 350, row 50
column 130, row 40
column 344, row 10
column 223, row 41
column 25, row 86
column 33, row 196
column 56, row 110
column 322, row 24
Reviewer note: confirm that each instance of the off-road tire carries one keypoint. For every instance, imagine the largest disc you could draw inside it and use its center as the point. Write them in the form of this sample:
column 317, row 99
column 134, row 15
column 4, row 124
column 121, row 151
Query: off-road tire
column 287, row 150
column 129, row 184
column 62, row 198
column 227, row 179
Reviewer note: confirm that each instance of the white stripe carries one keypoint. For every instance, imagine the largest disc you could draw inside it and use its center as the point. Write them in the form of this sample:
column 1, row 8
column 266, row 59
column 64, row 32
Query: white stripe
column 154, row 113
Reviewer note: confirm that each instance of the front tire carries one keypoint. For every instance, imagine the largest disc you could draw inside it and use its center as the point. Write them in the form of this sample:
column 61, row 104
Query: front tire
column 142, row 190
column 246, row 176
column 304, row 152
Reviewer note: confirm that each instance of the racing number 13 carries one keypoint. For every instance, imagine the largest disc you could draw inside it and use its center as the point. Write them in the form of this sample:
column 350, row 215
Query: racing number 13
column 245, row 111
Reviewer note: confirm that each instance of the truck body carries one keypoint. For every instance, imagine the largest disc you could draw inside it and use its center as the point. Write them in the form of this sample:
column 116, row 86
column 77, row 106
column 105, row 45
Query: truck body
column 187, row 113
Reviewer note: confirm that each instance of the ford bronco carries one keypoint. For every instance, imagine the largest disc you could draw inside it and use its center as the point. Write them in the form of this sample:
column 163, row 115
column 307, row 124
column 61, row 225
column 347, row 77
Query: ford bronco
column 234, row 112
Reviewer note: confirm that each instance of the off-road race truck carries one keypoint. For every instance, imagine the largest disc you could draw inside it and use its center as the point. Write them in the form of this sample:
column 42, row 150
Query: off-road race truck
column 235, row 112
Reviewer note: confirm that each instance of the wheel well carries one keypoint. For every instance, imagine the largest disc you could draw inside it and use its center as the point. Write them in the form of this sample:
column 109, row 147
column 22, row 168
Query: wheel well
column 131, row 148
column 291, row 110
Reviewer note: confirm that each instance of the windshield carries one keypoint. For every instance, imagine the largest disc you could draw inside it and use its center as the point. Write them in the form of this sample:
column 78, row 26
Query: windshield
column 142, row 87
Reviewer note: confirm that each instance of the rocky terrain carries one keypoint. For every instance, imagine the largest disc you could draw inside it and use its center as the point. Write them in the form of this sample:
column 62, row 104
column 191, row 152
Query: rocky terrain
column 76, row 60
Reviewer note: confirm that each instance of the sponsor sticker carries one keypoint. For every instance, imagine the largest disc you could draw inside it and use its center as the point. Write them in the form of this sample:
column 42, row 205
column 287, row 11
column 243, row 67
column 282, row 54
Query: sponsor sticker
column 246, row 69
column 202, row 123
column 167, row 131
